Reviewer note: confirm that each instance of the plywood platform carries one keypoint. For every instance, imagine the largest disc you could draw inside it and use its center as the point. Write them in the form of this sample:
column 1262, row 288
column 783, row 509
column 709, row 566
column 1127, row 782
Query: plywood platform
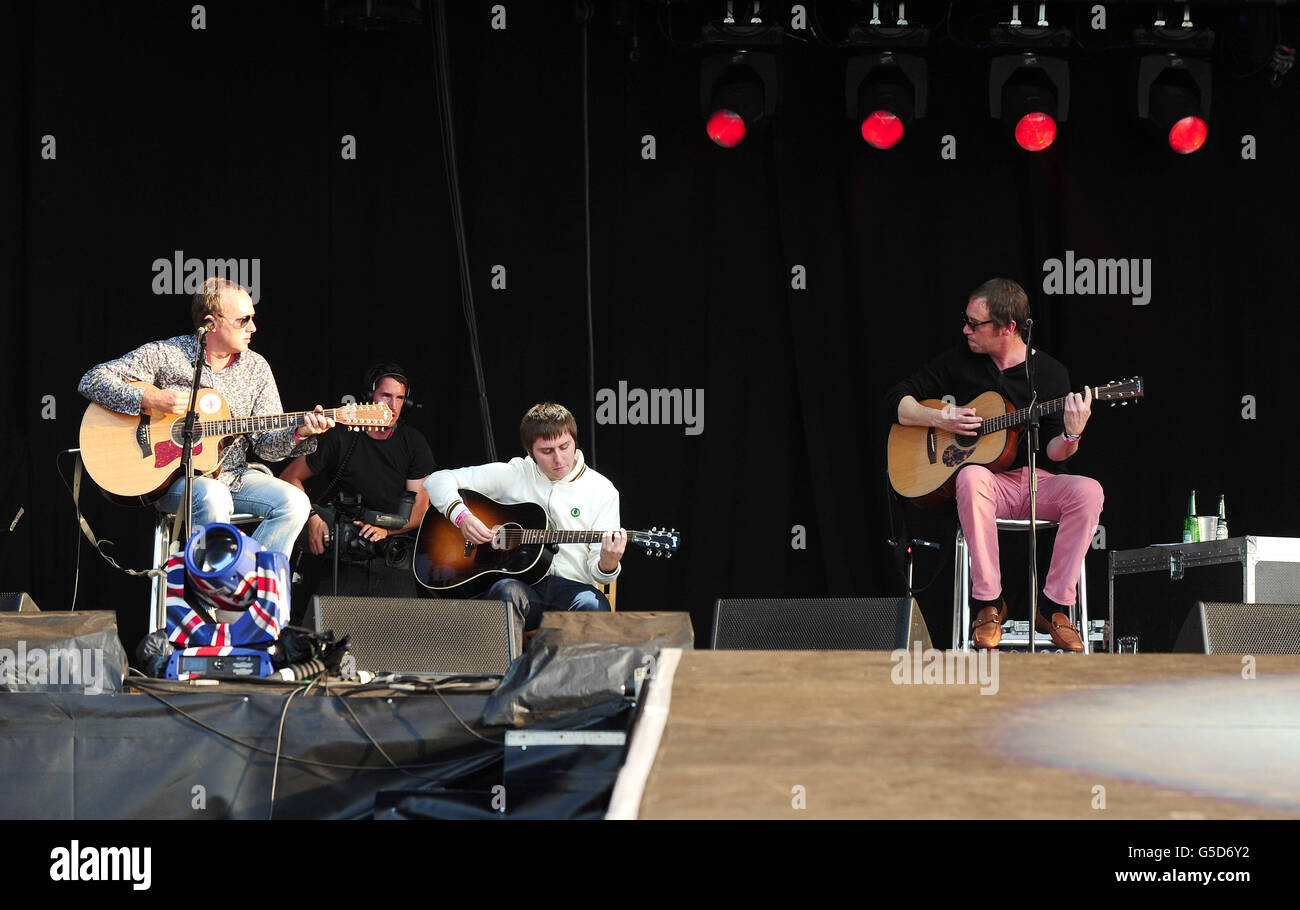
column 752, row 734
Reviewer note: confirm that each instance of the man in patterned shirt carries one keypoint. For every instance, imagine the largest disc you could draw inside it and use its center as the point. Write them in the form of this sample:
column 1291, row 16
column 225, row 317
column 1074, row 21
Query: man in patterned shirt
column 244, row 379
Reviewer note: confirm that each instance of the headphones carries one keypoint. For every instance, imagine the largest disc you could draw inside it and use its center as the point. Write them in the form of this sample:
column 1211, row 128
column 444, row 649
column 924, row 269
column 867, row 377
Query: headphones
column 382, row 371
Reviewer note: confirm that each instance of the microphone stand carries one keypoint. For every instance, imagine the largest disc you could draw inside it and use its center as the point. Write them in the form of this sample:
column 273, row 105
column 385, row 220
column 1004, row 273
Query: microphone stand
column 186, row 511
column 1034, row 426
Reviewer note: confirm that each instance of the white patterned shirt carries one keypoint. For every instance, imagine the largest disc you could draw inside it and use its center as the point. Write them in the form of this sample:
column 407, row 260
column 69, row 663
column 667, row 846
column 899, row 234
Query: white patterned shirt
column 246, row 383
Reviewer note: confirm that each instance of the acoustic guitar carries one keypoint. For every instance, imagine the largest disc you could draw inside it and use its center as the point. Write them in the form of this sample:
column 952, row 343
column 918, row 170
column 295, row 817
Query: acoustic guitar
column 522, row 547
column 135, row 457
column 924, row 461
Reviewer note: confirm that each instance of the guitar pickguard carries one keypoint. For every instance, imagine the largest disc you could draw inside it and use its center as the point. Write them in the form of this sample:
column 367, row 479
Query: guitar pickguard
column 166, row 452
column 955, row 455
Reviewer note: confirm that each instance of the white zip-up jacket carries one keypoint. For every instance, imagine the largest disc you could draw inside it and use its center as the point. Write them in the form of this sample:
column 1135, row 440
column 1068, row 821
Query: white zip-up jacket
column 583, row 500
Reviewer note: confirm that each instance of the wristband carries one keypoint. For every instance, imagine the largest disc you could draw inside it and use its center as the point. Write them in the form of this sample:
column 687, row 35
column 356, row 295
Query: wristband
column 461, row 517
column 1071, row 439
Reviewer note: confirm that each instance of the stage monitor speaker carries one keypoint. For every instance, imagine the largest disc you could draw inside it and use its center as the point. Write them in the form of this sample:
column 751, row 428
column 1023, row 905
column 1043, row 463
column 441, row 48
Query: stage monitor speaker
column 14, row 602
column 819, row 624
column 1240, row 628
column 419, row 635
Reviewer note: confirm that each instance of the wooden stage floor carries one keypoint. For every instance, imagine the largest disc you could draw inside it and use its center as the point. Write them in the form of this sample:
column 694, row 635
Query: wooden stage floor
column 1068, row 736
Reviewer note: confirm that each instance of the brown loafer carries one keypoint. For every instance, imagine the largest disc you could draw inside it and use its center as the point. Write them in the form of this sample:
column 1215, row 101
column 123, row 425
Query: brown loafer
column 988, row 626
column 1064, row 635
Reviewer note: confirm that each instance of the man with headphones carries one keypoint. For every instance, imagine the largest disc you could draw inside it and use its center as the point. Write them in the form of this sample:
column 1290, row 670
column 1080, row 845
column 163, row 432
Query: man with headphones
column 379, row 465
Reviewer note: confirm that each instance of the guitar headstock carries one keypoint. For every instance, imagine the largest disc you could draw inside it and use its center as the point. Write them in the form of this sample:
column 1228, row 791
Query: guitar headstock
column 1120, row 392
column 358, row 417
column 659, row 542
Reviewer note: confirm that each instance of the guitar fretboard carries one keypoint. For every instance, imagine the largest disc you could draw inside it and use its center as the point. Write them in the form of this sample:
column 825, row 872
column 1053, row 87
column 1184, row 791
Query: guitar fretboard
column 237, row 426
column 1002, row 421
column 536, row 535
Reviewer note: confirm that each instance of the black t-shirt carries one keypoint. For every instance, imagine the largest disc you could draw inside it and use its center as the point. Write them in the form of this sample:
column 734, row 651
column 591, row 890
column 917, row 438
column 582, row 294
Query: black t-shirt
column 965, row 375
column 378, row 469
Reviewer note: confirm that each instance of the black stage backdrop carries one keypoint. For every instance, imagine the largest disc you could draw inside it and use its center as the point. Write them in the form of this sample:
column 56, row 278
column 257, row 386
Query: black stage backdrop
column 792, row 279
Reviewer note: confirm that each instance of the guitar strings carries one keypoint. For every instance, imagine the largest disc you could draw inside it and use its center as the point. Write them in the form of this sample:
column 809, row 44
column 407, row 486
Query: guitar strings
column 216, row 427
column 1003, row 421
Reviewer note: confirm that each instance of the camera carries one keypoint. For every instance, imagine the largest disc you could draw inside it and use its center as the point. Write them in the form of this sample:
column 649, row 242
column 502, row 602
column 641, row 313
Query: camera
column 348, row 542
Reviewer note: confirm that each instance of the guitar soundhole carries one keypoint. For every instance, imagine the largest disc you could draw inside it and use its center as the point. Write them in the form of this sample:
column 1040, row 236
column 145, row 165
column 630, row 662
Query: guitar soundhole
column 508, row 536
column 956, row 454
column 506, row 553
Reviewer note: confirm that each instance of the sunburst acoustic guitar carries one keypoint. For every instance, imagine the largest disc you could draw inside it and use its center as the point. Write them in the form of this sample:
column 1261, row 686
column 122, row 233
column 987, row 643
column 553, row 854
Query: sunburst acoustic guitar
column 446, row 564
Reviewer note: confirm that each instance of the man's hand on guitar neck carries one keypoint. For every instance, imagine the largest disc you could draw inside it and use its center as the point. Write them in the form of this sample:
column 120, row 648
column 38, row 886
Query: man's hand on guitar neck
column 612, row 546
column 313, row 424
column 1078, row 408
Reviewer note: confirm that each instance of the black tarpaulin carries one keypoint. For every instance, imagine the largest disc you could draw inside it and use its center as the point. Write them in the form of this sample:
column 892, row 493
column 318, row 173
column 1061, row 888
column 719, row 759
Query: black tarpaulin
column 138, row 756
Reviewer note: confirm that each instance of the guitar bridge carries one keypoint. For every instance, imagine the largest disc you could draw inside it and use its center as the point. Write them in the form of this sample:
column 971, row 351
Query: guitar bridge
column 142, row 434
column 930, row 451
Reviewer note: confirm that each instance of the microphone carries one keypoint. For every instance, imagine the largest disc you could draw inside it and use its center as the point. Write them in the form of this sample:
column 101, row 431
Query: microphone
column 208, row 326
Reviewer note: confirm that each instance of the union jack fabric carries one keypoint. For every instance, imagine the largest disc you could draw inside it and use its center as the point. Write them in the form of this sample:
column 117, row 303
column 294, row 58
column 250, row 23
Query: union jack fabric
column 262, row 595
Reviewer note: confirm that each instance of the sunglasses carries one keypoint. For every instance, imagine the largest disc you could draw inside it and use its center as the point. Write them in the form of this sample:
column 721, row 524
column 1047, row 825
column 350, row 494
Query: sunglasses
column 241, row 321
column 966, row 320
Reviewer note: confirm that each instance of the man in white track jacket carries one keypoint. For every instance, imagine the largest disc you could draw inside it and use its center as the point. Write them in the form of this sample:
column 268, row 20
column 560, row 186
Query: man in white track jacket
column 555, row 476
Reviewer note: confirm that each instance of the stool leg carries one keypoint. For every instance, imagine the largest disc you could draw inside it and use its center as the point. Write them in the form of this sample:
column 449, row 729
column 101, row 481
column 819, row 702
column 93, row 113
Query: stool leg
column 1082, row 601
column 961, row 594
column 162, row 534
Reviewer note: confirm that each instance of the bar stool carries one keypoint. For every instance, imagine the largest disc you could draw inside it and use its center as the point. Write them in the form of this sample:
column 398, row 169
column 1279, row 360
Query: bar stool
column 961, row 619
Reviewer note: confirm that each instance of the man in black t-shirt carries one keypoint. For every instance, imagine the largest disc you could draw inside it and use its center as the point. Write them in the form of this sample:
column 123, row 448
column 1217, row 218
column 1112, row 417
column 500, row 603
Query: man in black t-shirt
column 993, row 359
column 379, row 465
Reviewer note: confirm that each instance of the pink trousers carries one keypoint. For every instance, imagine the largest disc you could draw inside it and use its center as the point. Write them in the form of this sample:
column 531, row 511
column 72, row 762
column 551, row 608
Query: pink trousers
column 1072, row 501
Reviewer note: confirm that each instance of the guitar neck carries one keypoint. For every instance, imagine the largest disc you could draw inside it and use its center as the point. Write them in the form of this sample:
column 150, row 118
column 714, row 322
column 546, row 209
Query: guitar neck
column 237, row 426
column 537, row 535
column 1010, row 419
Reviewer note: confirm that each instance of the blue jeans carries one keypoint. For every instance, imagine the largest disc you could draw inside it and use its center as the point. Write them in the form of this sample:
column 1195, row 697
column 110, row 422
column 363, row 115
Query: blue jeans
column 283, row 507
column 528, row 603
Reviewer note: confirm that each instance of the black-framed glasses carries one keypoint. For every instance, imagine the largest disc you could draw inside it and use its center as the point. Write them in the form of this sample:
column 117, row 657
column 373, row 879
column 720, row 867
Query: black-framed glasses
column 241, row 321
column 966, row 320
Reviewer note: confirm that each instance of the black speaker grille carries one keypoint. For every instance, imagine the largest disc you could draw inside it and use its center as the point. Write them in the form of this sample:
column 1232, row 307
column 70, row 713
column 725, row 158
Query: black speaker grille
column 397, row 635
column 818, row 624
column 1237, row 628
column 17, row 602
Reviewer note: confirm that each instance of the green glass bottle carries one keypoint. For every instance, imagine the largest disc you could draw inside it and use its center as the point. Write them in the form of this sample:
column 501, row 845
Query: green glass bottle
column 1191, row 532
column 1222, row 532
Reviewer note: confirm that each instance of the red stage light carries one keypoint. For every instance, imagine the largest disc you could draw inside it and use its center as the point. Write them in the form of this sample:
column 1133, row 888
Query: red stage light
column 1187, row 135
column 882, row 130
column 1035, row 131
column 726, row 128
